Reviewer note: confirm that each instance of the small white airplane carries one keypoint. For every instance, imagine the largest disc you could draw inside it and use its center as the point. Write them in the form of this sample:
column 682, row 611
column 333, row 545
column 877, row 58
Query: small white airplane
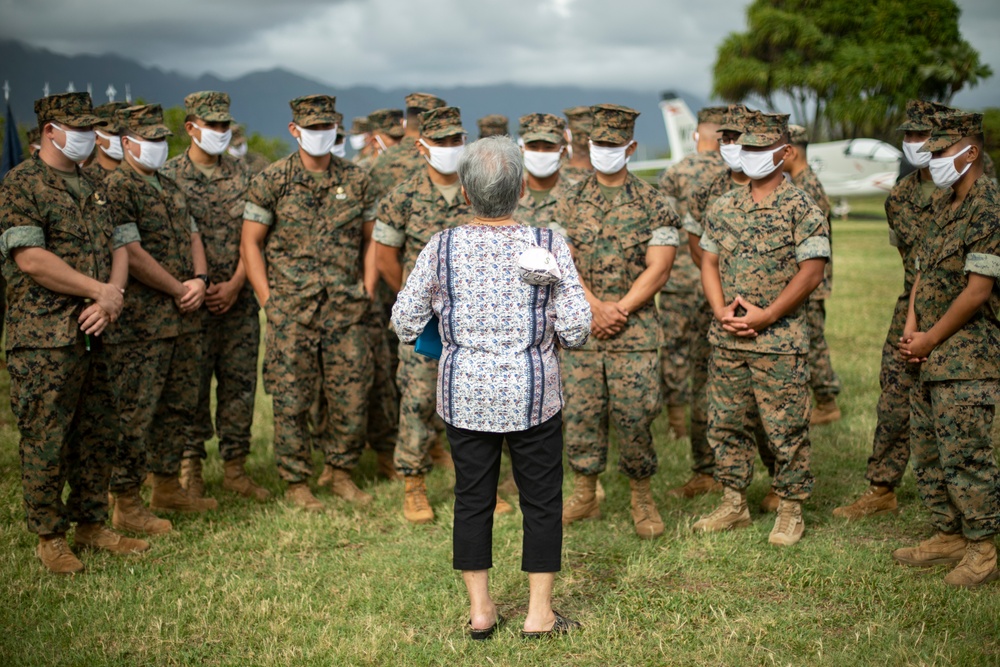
column 851, row 168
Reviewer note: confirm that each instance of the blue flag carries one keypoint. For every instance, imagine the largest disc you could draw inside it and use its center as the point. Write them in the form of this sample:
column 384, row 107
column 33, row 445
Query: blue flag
column 12, row 154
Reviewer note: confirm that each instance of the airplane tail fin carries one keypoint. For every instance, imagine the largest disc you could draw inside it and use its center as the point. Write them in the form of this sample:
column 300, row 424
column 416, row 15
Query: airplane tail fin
column 680, row 124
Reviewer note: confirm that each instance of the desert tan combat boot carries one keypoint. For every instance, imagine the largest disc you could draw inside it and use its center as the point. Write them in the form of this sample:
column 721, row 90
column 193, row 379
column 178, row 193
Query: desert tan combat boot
column 940, row 549
column 789, row 526
column 96, row 536
column 698, row 485
column 583, row 503
column 599, row 492
column 770, row 502
column 440, row 456
column 235, row 479
column 416, row 507
column 191, row 478
column 56, row 555
column 339, row 481
column 300, row 496
column 645, row 516
column 876, row 500
column 978, row 567
column 132, row 515
column 826, row 411
column 677, row 419
column 169, row 495
column 503, row 507
column 385, row 467
column 732, row 513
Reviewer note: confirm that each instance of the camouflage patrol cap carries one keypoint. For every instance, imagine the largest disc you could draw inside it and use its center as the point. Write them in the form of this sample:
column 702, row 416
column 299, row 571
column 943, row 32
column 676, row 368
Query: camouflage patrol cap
column 798, row 135
column 108, row 113
column 313, row 110
column 715, row 115
column 70, row 109
column 493, row 125
column 209, row 105
column 613, row 123
column 580, row 121
column 763, row 129
column 388, row 121
column 918, row 115
column 441, row 123
column 542, row 127
column 424, row 102
column 145, row 120
column 361, row 125
column 734, row 119
column 239, row 132
column 34, row 136
column 950, row 128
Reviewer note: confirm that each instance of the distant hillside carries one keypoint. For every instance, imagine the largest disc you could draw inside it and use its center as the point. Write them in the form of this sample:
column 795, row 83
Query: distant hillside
column 260, row 99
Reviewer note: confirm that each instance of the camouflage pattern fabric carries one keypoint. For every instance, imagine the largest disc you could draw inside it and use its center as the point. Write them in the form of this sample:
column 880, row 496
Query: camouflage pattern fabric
column 613, row 123
column 254, row 163
column 573, row 175
column 541, row 214
column 760, row 245
column 808, row 182
column 778, row 385
column 397, row 164
column 97, row 174
column 314, row 110
column 209, row 105
column 65, row 402
column 419, row 424
column 609, row 241
column 165, row 226
column 822, row 378
column 678, row 313
column 957, row 242
column 159, row 400
column 952, row 449
column 299, row 358
column 72, row 109
column 604, row 387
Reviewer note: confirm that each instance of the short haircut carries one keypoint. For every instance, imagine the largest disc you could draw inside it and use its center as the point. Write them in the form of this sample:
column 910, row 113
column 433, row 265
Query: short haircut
column 492, row 172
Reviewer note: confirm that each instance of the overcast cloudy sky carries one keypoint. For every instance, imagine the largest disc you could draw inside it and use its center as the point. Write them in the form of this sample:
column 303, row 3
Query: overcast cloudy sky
column 636, row 44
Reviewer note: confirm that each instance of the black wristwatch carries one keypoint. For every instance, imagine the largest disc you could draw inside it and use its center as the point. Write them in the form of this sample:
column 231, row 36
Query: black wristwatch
column 204, row 276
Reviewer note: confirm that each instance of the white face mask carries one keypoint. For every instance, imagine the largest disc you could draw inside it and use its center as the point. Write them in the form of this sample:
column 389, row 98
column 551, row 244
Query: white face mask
column 917, row 159
column 731, row 156
column 317, row 142
column 340, row 150
column 238, row 152
column 212, row 142
column 943, row 170
column 444, row 159
column 114, row 149
column 541, row 164
column 358, row 141
column 760, row 164
column 152, row 154
column 609, row 160
column 78, row 145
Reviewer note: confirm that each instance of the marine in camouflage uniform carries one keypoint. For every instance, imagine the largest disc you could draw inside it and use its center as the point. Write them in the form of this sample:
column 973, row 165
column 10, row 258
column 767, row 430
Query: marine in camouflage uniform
column 402, row 162
column 764, row 253
column 908, row 210
column 952, row 331
column 624, row 235
column 822, row 379
column 111, row 127
column 361, row 129
column 62, row 385
column 160, row 360
column 682, row 304
column 493, row 125
column 252, row 161
column 387, row 128
column 538, row 205
column 579, row 121
column 304, row 234
column 34, row 142
column 407, row 218
column 215, row 187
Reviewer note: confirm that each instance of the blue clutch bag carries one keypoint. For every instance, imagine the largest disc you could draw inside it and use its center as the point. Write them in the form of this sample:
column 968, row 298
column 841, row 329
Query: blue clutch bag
column 429, row 341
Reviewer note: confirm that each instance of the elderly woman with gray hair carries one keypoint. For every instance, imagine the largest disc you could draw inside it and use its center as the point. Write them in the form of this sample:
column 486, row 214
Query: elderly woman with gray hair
column 503, row 294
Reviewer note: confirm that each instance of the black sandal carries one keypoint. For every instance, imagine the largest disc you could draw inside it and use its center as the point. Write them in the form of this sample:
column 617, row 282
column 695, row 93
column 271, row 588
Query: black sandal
column 562, row 626
column 485, row 633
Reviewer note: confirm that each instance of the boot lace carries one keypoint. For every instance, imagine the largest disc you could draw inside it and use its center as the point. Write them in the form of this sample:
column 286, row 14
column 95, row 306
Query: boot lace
column 787, row 517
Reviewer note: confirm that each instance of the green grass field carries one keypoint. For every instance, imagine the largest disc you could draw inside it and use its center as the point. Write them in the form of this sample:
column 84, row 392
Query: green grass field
column 265, row 585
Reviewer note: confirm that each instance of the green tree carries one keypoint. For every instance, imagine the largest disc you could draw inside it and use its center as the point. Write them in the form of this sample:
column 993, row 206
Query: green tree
column 847, row 68
column 991, row 130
